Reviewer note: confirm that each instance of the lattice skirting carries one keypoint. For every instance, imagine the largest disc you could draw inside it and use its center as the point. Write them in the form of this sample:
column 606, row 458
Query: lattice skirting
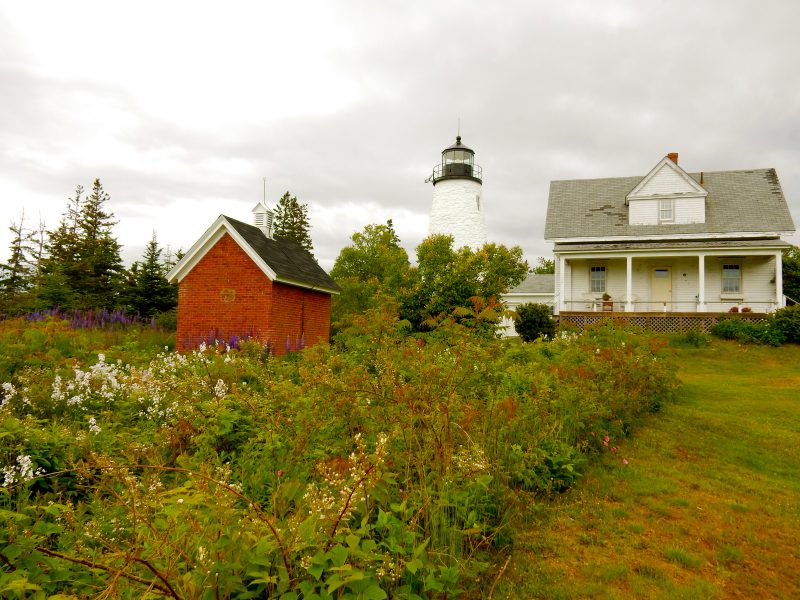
column 658, row 322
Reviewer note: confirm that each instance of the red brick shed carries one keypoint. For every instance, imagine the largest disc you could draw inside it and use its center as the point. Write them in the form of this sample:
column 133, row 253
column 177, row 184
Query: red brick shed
column 239, row 281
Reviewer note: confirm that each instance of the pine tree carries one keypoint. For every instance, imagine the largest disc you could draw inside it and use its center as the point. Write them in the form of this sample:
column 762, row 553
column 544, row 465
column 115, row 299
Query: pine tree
column 59, row 266
column 99, row 251
column 16, row 274
column 151, row 293
column 291, row 221
column 35, row 250
column 83, row 256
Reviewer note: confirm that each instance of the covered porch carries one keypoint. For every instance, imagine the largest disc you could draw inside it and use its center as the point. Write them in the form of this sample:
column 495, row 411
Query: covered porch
column 744, row 279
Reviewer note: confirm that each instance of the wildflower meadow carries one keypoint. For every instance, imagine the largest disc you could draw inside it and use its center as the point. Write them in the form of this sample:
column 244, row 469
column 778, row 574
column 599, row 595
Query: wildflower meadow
column 387, row 464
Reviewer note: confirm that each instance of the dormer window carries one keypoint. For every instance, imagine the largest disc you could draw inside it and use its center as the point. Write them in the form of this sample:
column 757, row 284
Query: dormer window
column 666, row 210
column 667, row 195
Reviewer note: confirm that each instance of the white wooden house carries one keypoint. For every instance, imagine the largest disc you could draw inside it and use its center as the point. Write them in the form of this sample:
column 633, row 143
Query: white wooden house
column 669, row 241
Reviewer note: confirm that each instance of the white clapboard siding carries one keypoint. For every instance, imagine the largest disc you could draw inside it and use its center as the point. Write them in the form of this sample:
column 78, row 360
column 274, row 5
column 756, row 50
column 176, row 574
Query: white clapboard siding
column 690, row 210
column 665, row 181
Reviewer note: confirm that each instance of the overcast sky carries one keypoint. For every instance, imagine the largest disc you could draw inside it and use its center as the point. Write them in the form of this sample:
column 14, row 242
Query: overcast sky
column 182, row 108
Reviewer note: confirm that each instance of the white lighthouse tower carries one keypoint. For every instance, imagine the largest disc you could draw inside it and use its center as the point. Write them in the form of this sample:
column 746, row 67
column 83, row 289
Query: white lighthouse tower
column 457, row 204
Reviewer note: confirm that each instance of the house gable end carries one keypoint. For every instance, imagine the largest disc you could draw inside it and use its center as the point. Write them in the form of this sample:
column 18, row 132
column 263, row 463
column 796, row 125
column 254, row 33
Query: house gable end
column 666, row 179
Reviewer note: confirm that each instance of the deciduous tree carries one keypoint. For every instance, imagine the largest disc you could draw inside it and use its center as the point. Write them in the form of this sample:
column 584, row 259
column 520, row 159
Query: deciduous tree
column 545, row 266
column 447, row 279
column 374, row 265
column 791, row 273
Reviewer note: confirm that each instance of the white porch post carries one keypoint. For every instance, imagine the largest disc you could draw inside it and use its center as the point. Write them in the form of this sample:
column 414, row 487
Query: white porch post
column 701, row 284
column 629, row 283
column 562, row 267
column 779, row 280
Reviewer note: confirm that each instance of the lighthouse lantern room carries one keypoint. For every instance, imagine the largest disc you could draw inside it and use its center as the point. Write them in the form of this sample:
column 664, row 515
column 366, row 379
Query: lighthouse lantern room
column 457, row 209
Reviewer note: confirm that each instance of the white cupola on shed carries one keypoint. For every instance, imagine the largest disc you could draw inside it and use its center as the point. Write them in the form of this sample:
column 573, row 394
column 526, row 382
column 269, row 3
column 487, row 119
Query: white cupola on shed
column 262, row 218
column 457, row 208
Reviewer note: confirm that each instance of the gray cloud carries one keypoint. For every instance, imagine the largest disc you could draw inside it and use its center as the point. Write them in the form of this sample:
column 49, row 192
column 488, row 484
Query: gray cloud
column 544, row 91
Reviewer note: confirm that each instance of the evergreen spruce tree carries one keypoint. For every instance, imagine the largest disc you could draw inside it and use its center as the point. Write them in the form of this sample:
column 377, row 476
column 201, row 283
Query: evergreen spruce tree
column 83, row 267
column 101, row 264
column 16, row 274
column 151, row 293
column 35, row 251
column 59, row 266
column 291, row 221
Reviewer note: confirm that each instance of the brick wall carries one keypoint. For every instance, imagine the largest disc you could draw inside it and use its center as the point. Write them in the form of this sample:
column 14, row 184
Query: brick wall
column 301, row 317
column 226, row 295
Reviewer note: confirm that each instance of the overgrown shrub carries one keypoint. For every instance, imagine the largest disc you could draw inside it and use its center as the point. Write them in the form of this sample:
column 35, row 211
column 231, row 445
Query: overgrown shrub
column 749, row 332
column 533, row 321
column 787, row 321
column 387, row 465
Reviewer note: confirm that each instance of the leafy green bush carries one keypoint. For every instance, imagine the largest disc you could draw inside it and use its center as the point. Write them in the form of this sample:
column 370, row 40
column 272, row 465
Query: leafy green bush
column 749, row 332
column 787, row 321
column 533, row 321
column 167, row 320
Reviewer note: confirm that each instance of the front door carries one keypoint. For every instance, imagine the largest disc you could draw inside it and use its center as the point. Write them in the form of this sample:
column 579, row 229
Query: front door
column 661, row 289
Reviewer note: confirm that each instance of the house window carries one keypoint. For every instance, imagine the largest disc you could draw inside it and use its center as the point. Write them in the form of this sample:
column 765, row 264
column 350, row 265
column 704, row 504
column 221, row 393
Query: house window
column 666, row 211
column 731, row 279
column 597, row 278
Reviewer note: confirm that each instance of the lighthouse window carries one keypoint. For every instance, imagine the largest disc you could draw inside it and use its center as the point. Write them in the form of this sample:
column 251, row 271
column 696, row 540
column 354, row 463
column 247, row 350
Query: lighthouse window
column 478, row 201
column 457, row 156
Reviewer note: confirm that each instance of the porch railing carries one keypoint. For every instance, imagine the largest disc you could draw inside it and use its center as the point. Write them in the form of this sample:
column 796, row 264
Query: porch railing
column 600, row 306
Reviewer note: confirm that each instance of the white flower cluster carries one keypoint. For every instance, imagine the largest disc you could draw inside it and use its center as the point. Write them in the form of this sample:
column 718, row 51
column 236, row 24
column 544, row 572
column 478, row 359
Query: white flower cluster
column 220, row 389
column 169, row 372
column 345, row 482
column 8, row 392
column 472, row 459
column 23, row 471
column 93, row 427
column 388, row 570
column 101, row 382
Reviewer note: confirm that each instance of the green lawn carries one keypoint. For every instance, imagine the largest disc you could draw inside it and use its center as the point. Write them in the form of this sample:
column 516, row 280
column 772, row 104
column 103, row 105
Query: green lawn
column 708, row 506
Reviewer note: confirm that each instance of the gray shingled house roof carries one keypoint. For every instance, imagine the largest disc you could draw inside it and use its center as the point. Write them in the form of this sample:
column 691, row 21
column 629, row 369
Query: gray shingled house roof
column 738, row 201
column 291, row 262
column 536, row 283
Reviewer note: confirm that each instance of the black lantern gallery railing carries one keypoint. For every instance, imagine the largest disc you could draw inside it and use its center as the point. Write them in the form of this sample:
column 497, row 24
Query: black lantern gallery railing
column 457, row 170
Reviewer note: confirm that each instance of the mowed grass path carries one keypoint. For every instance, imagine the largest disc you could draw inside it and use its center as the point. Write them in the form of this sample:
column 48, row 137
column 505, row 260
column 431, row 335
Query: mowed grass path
column 708, row 506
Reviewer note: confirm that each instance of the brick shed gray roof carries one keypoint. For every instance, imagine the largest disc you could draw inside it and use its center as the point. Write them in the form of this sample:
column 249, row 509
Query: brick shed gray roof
column 738, row 201
column 291, row 262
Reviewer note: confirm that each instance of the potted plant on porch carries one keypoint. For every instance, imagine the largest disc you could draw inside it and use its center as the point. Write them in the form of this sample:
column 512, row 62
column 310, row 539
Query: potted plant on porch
column 608, row 305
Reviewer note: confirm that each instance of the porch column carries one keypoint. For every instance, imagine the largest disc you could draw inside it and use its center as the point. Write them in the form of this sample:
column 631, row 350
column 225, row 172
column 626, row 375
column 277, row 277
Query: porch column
column 629, row 283
column 562, row 267
column 701, row 284
column 779, row 279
